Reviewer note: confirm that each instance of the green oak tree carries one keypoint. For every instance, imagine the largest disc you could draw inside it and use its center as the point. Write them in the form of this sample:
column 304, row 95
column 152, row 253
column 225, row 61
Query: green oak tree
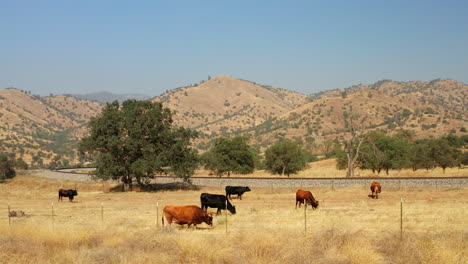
column 230, row 156
column 444, row 153
column 285, row 157
column 136, row 140
column 7, row 165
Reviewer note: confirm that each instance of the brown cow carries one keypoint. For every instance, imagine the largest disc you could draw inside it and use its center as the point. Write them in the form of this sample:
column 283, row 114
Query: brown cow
column 302, row 195
column 190, row 214
column 375, row 189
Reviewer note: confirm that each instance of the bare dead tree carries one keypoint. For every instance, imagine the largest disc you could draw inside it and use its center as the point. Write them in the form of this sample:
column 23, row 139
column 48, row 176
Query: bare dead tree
column 355, row 126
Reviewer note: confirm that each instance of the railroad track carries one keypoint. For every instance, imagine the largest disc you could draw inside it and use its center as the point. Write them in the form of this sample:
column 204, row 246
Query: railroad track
column 276, row 182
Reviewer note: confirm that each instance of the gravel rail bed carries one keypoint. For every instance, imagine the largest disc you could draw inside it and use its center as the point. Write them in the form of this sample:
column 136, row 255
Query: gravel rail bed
column 445, row 182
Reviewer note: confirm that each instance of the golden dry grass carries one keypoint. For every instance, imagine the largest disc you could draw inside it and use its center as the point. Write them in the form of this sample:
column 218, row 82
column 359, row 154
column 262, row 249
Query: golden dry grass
column 349, row 227
column 327, row 169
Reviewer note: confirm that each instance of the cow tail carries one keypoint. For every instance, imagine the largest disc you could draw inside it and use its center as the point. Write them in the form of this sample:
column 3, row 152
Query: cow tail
column 162, row 218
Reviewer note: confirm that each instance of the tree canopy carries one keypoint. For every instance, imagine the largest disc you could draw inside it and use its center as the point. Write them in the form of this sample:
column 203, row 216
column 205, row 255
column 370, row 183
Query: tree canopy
column 382, row 152
column 230, row 156
column 285, row 157
column 136, row 140
column 7, row 165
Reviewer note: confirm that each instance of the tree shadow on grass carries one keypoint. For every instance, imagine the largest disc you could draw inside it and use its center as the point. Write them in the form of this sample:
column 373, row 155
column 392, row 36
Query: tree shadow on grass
column 159, row 187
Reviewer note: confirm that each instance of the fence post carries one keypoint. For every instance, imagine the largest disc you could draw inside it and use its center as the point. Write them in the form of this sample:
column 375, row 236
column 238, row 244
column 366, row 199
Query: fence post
column 401, row 218
column 9, row 216
column 305, row 217
column 226, row 216
column 102, row 214
column 53, row 220
column 157, row 214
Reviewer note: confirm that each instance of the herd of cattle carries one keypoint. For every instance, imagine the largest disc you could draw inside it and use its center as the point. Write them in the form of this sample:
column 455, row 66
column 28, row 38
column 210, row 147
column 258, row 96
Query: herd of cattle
column 194, row 215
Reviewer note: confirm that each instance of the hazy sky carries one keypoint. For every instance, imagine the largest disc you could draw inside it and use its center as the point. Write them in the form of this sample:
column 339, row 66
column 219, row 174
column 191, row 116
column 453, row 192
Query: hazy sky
column 152, row 46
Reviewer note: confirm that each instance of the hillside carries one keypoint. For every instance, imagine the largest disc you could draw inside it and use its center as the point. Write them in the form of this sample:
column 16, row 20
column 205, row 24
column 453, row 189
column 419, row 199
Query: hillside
column 38, row 128
column 429, row 109
column 223, row 105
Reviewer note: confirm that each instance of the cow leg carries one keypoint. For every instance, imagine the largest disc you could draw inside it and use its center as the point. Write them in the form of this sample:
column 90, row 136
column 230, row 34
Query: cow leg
column 218, row 211
column 168, row 218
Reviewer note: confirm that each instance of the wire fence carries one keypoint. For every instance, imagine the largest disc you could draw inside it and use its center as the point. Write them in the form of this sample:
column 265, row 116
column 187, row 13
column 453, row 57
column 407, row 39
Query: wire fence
column 254, row 215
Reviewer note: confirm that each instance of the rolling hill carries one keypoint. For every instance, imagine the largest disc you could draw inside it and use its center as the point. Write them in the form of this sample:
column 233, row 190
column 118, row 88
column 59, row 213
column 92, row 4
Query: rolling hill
column 429, row 109
column 40, row 128
column 224, row 105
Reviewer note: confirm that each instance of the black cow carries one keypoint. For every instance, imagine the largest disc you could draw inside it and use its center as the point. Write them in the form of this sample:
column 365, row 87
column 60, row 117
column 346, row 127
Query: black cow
column 67, row 193
column 216, row 201
column 239, row 190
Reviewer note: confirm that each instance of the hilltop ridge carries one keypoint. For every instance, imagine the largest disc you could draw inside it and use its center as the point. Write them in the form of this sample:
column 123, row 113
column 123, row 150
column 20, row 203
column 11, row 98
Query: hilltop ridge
column 40, row 128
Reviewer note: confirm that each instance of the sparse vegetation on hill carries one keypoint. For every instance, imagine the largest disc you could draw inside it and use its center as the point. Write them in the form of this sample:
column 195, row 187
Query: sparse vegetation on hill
column 420, row 107
column 223, row 105
column 38, row 129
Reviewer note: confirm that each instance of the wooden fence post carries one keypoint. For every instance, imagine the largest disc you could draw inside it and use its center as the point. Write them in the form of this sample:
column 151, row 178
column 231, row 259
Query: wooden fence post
column 226, row 216
column 401, row 218
column 9, row 216
column 157, row 214
column 53, row 220
column 305, row 217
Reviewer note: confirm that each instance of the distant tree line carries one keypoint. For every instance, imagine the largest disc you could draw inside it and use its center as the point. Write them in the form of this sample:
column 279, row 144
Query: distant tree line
column 9, row 164
column 380, row 152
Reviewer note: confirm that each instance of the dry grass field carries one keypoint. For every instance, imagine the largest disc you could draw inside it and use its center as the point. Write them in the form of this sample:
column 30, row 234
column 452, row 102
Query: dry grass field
column 327, row 169
column 348, row 227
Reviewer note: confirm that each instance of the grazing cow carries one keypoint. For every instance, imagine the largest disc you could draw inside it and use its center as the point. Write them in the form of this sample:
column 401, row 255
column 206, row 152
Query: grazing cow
column 216, row 201
column 67, row 193
column 375, row 189
column 190, row 215
column 239, row 190
column 302, row 195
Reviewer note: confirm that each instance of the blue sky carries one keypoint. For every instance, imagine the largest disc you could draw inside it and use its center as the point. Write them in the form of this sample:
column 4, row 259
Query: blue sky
column 152, row 46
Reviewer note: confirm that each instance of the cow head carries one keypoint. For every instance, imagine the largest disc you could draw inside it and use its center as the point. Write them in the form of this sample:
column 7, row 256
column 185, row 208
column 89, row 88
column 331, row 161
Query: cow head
column 209, row 219
column 315, row 204
column 247, row 189
column 74, row 192
column 231, row 209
